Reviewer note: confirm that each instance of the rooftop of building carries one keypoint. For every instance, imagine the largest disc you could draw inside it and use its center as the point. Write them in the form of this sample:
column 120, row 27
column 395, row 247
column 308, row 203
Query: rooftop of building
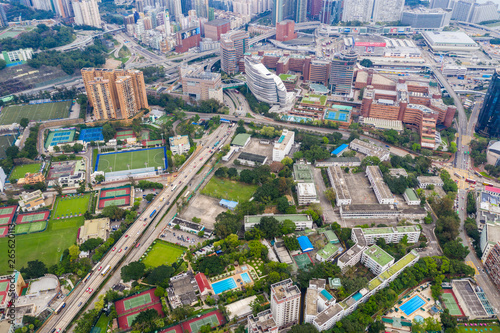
column 331, row 236
column 411, row 194
column 378, row 255
column 329, row 250
column 318, row 88
column 397, row 172
column 314, row 99
column 284, row 139
column 252, row 157
column 187, row 224
column 179, row 140
column 379, row 182
column 341, row 160
column 218, row 22
column 312, row 301
column 328, row 313
column 396, row 125
column 264, row 320
column 492, row 232
column 448, row 37
column 389, row 230
column 430, row 179
column 368, row 208
column 288, row 78
column 340, row 182
column 279, row 217
column 285, row 289
column 388, row 273
column 306, row 189
column 302, row 172
column 240, row 139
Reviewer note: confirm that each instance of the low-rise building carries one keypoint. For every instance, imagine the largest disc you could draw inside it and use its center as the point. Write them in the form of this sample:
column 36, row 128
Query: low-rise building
column 411, row 197
column 382, row 191
column 183, row 290
column 306, row 193
column 29, row 202
column 282, row 252
column 201, row 85
column 187, row 226
column 241, row 140
column 337, row 179
column 424, row 181
column 251, row 160
column 179, row 144
column 328, row 253
column 338, row 161
column 263, row 322
column 398, row 172
column 302, row 221
column 96, row 228
column 283, row 146
column 302, row 173
column 31, row 179
column 490, row 236
column 3, row 179
column 72, row 180
column 369, row 149
column 376, row 259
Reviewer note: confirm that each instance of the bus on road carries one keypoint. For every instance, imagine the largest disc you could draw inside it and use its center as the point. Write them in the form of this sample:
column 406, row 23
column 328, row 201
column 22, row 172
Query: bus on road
column 456, row 174
column 59, row 308
column 185, row 195
column 472, row 181
column 153, row 213
column 106, row 270
column 87, row 277
column 487, row 184
column 173, row 188
column 96, row 266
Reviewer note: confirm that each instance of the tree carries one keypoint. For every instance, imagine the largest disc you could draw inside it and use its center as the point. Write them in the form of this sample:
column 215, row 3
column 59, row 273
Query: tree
column 182, row 312
column 448, row 321
column 12, row 152
column 212, row 265
column 3, row 64
column 288, row 227
column 366, row 63
column 160, row 275
column 376, row 327
column 276, row 167
column 159, row 292
column 149, row 197
column 74, row 251
column 282, row 204
column 416, row 147
column 113, row 212
column 303, row 328
column 287, row 161
column 330, row 195
column 226, row 223
column 99, row 178
column 232, row 173
column 133, row 271
column 57, row 186
column 291, row 243
column 24, row 122
column 91, row 244
column 56, row 149
column 34, row 269
column 455, row 250
column 270, row 227
column 146, row 320
column 82, row 186
column 108, row 132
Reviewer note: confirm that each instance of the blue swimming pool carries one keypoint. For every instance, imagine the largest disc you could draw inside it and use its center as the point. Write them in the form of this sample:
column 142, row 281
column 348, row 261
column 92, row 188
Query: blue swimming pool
column 223, row 285
column 357, row 296
column 246, row 278
column 412, row 305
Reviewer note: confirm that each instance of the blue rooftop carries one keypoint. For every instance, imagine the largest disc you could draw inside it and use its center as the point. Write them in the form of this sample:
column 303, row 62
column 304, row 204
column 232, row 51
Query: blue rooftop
column 228, row 204
column 305, row 244
column 326, row 294
column 340, row 149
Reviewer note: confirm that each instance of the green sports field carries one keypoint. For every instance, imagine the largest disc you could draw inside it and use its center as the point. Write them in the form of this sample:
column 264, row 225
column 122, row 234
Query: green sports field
column 20, row 170
column 47, row 246
column 228, row 189
column 71, row 205
column 36, row 112
column 131, row 160
column 479, row 329
column 30, row 227
column 163, row 253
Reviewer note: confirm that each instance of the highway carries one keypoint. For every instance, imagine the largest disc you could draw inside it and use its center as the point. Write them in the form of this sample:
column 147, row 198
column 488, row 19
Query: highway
column 143, row 231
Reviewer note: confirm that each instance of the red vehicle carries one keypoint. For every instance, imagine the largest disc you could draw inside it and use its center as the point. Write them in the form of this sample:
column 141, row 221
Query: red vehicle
column 120, row 250
column 201, row 158
column 126, row 236
column 114, row 248
column 139, row 244
column 91, row 290
column 100, row 267
column 472, row 181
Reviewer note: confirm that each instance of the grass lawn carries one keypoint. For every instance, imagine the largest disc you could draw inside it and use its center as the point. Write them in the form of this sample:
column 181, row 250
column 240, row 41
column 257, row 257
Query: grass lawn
column 131, row 160
column 163, row 253
column 102, row 323
column 36, row 112
column 478, row 329
column 71, row 205
column 229, row 189
column 47, row 246
column 20, row 170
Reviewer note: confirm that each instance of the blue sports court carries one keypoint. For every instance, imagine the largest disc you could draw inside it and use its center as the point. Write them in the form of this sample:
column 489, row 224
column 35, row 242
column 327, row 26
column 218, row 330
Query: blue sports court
column 91, row 134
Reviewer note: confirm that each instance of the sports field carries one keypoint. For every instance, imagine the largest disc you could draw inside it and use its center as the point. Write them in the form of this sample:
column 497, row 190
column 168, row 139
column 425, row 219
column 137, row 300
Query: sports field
column 5, row 142
column 25, row 228
column 302, row 260
column 214, row 318
column 128, row 308
column 479, row 329
column 4, row 230
column 32, row 217
column 124, row 134
column 130, row 160
column 137, row 301
column 57, row 137
column 229, row 189
column 7, row 214
column 21, row 170
column 49, row 245
column 36, row 112
column 71, row 205
column 162, row 253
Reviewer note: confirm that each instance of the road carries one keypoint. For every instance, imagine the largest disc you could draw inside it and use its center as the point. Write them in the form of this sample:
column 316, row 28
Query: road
column 143, row 231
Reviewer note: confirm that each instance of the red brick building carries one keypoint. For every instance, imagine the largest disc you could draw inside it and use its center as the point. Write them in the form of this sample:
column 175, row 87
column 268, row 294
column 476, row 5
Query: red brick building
column 285, row 30
column 187, row 38
column 215, row 28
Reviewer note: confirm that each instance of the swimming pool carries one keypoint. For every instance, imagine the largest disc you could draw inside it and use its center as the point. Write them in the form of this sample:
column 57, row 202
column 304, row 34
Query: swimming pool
column 223, row 285
column 246, row 278
column 412, row 305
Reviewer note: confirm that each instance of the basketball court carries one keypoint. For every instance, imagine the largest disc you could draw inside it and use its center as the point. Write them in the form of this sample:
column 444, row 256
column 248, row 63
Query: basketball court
column 302, row 260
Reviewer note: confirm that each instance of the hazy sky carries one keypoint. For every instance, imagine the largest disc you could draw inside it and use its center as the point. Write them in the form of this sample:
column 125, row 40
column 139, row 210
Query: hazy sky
column 495, row 1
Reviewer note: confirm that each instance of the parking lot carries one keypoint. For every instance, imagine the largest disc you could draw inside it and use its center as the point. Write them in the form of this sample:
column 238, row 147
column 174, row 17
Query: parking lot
column 360, row 189
column 204, row 208
column 181, row 237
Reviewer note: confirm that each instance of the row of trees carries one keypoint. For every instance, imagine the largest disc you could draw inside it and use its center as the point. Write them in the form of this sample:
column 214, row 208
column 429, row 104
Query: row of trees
column 42, row 37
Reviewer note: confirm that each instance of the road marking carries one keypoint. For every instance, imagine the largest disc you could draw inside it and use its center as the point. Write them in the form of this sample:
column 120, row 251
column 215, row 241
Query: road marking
column 471, row 264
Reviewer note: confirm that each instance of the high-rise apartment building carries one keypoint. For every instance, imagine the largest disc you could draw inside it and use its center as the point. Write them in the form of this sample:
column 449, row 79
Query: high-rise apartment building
column 314, row 8
column 488, row 122
column 301, row 11
column 114, row 93
column 214, row 29
column 176, row 10
column 199, row 84
column 87, row 13
column 264, row 85
column 444, row 4
column 331, row 12
column 357, row 10
column 426, row 19
column 285, row 30
column 278, row 11
column 387, row 10
column 484, row 12
column 201, row 7
column 233, row 47
column 63, row 8
column 342, row 72
column 42, row 4
column 462, row 10
column 285, row 303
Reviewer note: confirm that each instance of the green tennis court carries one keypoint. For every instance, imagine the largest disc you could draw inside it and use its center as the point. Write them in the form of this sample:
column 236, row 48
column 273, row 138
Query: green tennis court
column 4, row 220
column 136, row 301
column 6, row 210
column 131, row 160
column 450, row 304
column 116, row 202
column 302, row 260
column 130, row 319
column 22, row 228
column 115, row 193
column 196, row 326
column 3, row 286
column 33, row 217
column 37, row 226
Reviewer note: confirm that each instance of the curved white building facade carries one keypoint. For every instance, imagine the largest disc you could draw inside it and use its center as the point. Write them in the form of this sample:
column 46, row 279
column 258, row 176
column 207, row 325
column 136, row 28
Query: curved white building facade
column 266, row 86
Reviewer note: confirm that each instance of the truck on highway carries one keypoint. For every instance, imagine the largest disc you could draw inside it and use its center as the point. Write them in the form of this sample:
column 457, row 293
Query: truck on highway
column 106, row 270
column 59, row 308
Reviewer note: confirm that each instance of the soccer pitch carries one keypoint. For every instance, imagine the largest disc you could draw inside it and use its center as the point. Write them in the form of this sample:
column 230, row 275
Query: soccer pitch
column 35, row 112
column 21, row 170
column 228, row 189
column 130, row 160
column 47, row 246
column 162, row 253
column 71, row 205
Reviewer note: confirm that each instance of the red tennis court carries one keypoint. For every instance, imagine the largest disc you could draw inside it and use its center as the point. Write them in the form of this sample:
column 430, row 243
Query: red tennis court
column 122, row 201
column 126, row 321
column 4, row 231
column 32, row 217
column 174, row 329
column 7, row 214
column 194, row 325
column 115, row 192
column 122, row 306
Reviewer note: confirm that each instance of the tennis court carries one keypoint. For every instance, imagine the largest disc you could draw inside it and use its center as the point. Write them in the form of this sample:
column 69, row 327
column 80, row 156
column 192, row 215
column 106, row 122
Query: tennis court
column 34, row 112
column 28, row 228
column 125, row 201
column 131, row 160
column 4, row 285
column 4, row 231
column 124, row 134
column 58, row 137
column 137, row 301
column 91, row 134
column 451, row 304
column 115, row 192
column 7, row 214
column 213, row 318
column 32, row 217
column 5, row 142
column 302, row 260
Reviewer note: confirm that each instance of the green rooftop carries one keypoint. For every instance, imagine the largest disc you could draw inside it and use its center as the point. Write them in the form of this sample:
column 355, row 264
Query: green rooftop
column 328, row 251
column 279, row 217
column 378, row 255
column 411, row 194
column 410, row 228
column 330, row 235
column 288, row 77
column 302, row 173
column 384, row 230
column 314, row 99
column 400, row 264
column 240, row 139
